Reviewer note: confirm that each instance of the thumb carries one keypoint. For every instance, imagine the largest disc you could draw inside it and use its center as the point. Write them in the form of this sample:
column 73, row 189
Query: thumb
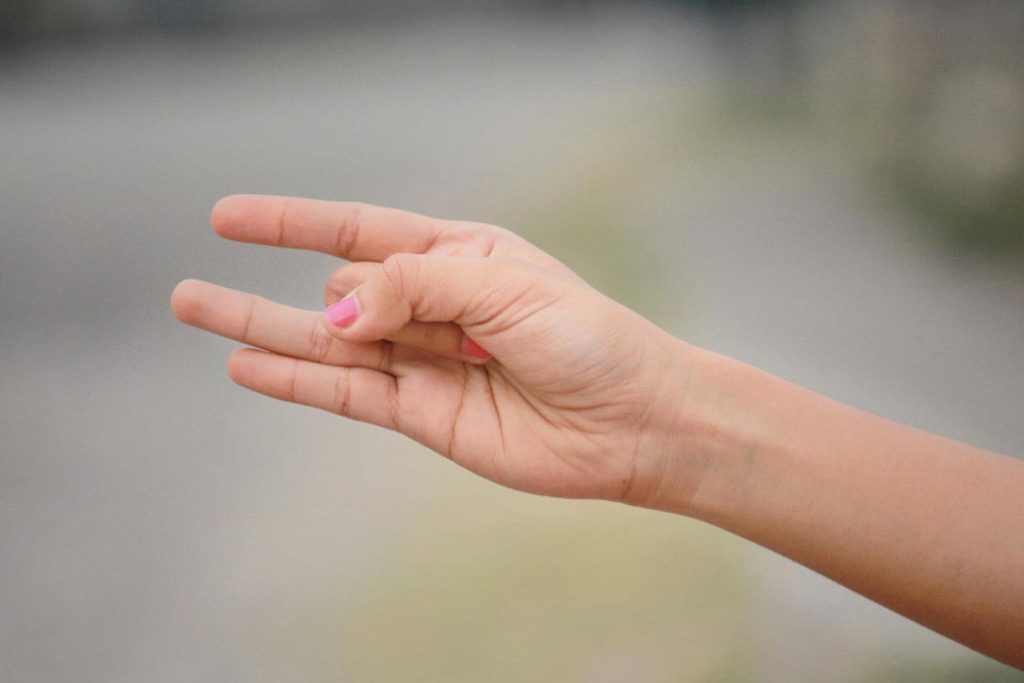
column 470, row 292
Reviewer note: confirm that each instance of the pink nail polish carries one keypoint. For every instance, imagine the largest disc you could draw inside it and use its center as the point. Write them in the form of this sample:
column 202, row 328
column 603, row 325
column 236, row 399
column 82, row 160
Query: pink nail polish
column 344, row 312
column 471, row 348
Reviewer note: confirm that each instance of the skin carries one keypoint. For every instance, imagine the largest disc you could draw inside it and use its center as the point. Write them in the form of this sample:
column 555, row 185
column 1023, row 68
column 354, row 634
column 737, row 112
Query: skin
column 577, row 396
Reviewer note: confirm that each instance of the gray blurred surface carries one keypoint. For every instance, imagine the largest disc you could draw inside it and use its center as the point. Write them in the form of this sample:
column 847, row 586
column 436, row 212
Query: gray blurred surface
column 154, row 519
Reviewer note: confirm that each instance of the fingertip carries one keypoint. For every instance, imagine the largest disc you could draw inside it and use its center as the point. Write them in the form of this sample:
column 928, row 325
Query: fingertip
column 222, row 214
column 342, row 314
column 185, row 299
column 233, row 212
column 238, row 363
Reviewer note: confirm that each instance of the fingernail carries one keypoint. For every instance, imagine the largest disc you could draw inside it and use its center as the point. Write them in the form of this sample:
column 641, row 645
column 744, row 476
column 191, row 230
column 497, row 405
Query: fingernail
column 471, row 348
column 344, row 312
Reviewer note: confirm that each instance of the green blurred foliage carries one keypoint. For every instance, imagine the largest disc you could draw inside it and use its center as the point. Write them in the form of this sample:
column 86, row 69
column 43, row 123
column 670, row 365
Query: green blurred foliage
column 987, row 219
column 927, row 95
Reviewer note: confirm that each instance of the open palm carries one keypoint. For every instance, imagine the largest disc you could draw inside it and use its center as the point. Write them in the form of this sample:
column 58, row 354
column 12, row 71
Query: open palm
column 565, row 406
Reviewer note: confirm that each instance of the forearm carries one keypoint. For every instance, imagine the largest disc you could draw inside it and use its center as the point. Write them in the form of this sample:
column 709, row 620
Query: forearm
column 931, row 528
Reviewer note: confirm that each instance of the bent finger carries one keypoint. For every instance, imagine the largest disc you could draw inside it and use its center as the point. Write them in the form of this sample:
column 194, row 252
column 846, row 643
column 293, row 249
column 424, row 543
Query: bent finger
column 479, row 295
column 446, row 339
column 343, row 280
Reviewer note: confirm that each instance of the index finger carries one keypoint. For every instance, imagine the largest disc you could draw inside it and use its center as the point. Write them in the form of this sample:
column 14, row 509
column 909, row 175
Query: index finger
column 349, row 230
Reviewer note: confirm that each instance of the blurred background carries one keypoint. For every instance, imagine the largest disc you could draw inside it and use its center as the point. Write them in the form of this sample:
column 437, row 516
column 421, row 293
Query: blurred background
column 833, row 191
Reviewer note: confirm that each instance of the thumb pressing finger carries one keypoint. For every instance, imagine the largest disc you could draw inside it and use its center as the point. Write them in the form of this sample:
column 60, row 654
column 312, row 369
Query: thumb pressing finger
column 427, row 288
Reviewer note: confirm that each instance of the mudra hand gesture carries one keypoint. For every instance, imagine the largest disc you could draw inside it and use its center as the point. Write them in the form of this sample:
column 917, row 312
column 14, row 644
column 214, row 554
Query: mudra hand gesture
column 477, row 344
column 575, row 401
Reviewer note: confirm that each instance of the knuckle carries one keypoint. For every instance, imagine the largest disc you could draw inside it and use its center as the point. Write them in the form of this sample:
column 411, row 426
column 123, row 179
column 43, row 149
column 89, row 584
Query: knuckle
column 348, row 231
column 331, row 293
column 474, row 239
column 293, row 383
column 245, row 335
column 386, row 356
column 399, row 271
column 335, row 288
column 465, row 230
column 284, row 220
column 342, row 394
column 394, row 410
column 489, row 231
column 321, row 343
column 343, row 280
column 400, row 275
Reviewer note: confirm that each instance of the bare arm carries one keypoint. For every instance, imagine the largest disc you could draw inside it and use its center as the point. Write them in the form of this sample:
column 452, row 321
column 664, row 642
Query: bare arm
column 929, row 527
column 577, row 396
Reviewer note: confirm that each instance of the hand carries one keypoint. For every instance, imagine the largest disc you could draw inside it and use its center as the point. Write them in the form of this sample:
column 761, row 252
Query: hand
column 576, row 400
column 583, row 398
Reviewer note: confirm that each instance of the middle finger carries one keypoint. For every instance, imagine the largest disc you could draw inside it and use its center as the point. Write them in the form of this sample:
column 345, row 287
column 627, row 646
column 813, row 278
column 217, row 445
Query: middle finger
column 266, row 324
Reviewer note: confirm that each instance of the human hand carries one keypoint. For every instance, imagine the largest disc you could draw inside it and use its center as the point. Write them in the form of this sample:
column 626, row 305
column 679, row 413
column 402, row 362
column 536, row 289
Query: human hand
column 579, row 399
column 584, row 398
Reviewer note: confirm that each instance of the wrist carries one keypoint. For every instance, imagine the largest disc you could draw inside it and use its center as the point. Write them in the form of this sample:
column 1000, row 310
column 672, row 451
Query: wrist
column 706, row 424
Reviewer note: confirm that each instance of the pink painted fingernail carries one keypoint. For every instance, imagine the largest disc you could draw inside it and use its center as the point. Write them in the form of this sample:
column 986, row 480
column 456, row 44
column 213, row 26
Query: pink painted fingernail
column 344, row 312
column 471, row 348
